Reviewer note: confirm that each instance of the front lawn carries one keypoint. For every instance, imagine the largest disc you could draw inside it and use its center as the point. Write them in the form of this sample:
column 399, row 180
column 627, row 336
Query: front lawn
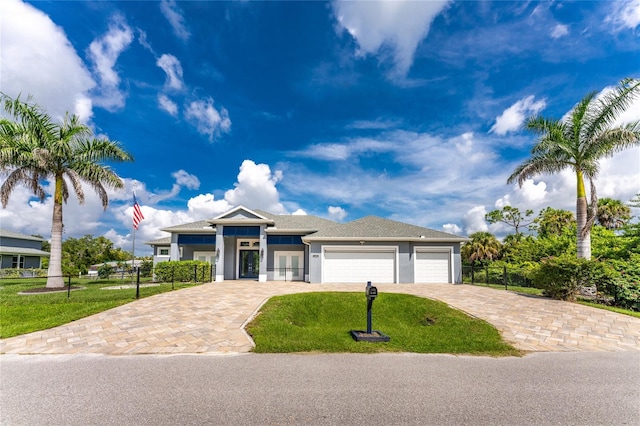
column 320, row 322
column 20, row 314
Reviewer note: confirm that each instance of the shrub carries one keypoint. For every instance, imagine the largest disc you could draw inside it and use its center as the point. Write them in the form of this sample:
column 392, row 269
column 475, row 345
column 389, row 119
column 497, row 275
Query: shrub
column 104, row 271
column 183, row 271
column 562, row 277
column 625, row 288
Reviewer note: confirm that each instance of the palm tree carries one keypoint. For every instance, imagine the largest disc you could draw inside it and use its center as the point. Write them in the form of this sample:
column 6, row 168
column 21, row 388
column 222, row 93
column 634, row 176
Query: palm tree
column 33, row 148
column 579, row 142
column 483, row 246
column 612, row 214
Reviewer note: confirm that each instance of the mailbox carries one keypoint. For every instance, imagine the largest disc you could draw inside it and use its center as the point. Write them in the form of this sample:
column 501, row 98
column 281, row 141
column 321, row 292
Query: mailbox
column 371, row 292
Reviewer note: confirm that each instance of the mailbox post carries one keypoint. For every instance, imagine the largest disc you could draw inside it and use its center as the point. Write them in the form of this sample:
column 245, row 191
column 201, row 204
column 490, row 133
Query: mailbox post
column 370, row 335
column 372, row 293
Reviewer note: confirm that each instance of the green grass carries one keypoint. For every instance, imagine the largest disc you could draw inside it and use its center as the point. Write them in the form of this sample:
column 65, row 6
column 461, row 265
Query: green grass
column 20, row 314
column 610, row 308
column 516, row 289
column 320, row 322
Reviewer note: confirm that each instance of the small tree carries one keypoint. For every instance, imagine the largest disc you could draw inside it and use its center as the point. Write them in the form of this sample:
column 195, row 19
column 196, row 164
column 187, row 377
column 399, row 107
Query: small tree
column 613, row 214
column 511, row 216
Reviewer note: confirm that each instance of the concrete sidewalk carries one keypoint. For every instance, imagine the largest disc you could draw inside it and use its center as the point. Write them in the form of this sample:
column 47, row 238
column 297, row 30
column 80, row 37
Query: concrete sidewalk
column 209, row 319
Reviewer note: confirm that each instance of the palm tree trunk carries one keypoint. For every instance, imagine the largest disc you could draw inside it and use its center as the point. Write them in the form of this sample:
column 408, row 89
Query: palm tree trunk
column 54, row 276
column 583, row 235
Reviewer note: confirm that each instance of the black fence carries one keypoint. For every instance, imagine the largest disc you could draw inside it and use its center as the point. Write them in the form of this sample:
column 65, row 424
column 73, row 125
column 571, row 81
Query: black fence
column 498, row 275
column 286, row 274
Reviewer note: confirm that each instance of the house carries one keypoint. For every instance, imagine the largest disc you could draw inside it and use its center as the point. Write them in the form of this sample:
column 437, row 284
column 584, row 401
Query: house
column 20, row 251
column 257, row 245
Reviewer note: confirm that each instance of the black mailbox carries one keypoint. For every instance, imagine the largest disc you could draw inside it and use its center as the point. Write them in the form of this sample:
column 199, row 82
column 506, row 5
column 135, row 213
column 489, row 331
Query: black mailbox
column 371, row 292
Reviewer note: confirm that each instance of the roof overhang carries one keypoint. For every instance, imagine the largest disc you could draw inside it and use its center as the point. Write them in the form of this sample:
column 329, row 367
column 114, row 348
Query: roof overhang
column 311, row 238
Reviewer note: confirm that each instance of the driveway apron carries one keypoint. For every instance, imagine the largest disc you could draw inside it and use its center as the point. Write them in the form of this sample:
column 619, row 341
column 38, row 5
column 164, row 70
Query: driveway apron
column 209, row 319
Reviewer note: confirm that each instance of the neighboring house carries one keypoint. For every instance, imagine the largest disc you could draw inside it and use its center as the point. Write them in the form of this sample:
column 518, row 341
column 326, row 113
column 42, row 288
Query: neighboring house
column 246, row 244
column 20, row 251
column 116, row 265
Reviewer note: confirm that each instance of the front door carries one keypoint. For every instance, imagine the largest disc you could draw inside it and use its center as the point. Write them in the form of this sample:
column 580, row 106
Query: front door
column 249, row 264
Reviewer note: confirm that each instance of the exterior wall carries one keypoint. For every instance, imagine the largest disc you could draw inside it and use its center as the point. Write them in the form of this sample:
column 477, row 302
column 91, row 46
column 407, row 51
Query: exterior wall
column 31, row 262
column 230, row 262
column 18, row 242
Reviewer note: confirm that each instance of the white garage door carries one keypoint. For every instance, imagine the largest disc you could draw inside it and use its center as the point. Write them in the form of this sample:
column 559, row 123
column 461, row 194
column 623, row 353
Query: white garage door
column 433, row 267
column 359, row 266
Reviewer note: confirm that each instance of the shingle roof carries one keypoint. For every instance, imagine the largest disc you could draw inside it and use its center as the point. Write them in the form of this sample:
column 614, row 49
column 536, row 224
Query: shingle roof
column 317, row 228
column 23, row 251
column 283, row 222
column 159, row 242
column 380, row 228
column 11, row 234
column 201, row 225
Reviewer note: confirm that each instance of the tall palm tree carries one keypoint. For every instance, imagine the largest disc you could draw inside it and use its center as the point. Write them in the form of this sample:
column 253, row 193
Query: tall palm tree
column 483, row 246
column 612, row 214
column 33, row 148
column 579, row 142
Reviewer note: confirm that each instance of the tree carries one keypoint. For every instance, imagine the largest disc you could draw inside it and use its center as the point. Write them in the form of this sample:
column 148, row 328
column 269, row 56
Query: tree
column 33, row 147
column 579, row 142
column 512, row 216
column 612, row 214
column 483, row 247
column 553, row 222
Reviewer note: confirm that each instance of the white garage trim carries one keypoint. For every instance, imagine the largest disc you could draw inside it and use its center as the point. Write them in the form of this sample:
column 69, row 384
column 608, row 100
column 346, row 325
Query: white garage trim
column 433, row 264
column 357, row 264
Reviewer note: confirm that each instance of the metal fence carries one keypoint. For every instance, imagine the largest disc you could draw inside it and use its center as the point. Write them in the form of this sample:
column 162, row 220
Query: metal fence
column 499, row 275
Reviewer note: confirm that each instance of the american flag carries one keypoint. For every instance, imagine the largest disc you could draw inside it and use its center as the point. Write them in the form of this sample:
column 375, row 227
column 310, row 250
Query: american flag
column 137, row 212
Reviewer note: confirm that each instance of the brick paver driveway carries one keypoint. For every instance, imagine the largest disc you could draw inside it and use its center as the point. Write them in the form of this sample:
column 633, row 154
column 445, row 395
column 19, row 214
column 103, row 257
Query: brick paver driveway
column 209, row 319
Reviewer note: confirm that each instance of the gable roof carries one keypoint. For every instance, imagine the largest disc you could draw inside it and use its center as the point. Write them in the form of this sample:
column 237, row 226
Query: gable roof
column 11, row 234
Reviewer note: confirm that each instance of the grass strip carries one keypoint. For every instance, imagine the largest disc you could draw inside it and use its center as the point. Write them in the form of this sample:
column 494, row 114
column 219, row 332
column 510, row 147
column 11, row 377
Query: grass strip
column 320, row 322
column 21, row 314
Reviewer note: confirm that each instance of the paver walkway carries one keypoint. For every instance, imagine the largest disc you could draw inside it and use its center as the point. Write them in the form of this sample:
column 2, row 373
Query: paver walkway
column 209, row 319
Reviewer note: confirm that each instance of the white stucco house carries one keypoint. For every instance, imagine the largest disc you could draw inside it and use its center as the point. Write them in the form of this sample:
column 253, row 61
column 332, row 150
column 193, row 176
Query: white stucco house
column 245, row 244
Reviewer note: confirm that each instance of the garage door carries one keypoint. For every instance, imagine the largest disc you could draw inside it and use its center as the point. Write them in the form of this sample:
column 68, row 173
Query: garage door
column 359, row 266
column 433, row 267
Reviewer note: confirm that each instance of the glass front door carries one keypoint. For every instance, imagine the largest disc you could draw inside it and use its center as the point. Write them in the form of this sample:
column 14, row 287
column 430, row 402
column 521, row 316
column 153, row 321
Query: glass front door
column 289, row 266
column 249, row 264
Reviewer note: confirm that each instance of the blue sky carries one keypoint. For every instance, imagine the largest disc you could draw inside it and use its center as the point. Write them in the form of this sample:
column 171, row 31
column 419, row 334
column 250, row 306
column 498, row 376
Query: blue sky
column 405, row 110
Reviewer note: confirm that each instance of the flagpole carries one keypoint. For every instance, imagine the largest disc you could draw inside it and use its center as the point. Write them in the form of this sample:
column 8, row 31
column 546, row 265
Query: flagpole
column 133, row 250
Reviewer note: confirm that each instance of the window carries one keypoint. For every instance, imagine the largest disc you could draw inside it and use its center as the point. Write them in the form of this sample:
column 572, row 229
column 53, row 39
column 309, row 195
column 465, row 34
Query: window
column 17, row 262
column 164, row 252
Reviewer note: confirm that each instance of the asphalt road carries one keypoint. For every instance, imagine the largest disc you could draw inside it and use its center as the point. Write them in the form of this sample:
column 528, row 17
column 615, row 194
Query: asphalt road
column 594, row 388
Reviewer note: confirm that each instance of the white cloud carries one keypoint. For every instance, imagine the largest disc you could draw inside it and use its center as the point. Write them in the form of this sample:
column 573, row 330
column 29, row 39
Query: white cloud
column 512, row 118
column 104, row 53
column 626, row 14
column 185, row 179
column 473, row 220
column 31, row 43
column 451, row 228
column 172, row 67
column 380, row 26
column 207, row 119
column 173, row 13
column 337, row 213
column 559, row 30
column 205, row 206
column 299, row 212
column 167, row 104
column 256, row 188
